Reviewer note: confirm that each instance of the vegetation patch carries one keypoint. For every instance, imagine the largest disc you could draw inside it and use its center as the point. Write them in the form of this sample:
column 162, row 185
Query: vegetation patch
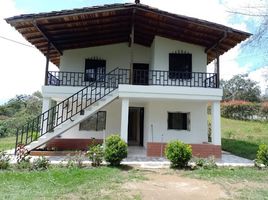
column 178, row 153
column 243, row 138
column 66, row 183
column 115, row 150
column 7, row 142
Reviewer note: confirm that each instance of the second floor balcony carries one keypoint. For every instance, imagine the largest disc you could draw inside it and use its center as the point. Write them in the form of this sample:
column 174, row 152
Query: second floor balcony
column 135, row 77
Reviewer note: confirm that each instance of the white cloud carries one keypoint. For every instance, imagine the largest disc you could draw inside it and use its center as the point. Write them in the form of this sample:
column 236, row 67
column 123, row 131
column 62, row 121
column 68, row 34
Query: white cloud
column 258, row 75
column 21, row 68
column 228, row 64
column 209, row 10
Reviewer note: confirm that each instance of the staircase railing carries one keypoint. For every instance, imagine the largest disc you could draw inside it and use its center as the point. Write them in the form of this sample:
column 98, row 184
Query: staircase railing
column 71, row 106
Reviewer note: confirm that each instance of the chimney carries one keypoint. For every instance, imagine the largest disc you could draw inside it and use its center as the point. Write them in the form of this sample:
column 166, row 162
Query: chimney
column 137, row 2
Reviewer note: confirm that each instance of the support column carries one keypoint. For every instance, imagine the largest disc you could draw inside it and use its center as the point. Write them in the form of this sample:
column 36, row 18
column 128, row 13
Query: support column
column 216, row 122
column 218, row 69
column 124, row 119
column 131, row 44
column 46, row 106
column 47, row 63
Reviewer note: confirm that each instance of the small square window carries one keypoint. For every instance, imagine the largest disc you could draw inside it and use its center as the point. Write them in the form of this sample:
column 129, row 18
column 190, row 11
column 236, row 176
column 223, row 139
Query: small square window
column 178, row 121
column 96, row 122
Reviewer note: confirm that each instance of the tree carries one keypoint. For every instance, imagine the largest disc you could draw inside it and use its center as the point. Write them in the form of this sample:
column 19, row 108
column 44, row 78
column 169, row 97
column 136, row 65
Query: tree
column 17, row 111
column 240, row 87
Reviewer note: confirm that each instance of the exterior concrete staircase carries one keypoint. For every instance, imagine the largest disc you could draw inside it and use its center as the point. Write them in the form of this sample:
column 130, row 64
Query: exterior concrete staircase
column 74, row 121
column 72, row 110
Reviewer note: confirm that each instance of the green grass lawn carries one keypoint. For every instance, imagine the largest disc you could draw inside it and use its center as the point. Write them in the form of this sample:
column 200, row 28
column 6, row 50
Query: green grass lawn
column 63, row 183
column 242, row 138
column 7, row 143
column 110, row 183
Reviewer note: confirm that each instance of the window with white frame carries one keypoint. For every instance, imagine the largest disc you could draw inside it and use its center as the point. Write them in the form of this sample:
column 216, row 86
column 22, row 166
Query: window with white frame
column 96, row 122
column 178, row 121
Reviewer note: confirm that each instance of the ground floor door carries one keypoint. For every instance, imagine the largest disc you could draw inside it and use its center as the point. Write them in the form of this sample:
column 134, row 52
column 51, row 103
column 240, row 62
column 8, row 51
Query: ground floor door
column 135, row 126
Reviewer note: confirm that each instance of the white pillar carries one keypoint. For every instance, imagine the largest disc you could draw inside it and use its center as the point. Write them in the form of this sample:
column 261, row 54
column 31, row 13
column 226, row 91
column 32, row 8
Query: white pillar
column 124, row 119
column 216, row 122
column 46, row 106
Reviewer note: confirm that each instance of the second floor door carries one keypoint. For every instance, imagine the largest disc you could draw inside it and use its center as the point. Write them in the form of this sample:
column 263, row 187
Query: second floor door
column 94, row 69
column 140, row 74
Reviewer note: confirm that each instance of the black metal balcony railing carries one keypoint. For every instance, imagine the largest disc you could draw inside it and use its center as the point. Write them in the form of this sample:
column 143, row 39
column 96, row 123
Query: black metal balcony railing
column 140, row 77
column 174, row 78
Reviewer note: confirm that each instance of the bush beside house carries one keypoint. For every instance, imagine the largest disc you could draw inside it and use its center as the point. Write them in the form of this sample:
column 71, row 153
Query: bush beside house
column 262, row 155
column 115, row 150
column 95, row 154
column 178, row 153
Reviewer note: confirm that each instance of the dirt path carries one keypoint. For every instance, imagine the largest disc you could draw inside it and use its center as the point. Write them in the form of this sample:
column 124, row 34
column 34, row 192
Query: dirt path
column 172, row 186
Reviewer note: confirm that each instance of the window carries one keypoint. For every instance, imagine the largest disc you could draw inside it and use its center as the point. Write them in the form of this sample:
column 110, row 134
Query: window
column 179, row 121
column 94, row 69
column 180, row 65
column 97, row 122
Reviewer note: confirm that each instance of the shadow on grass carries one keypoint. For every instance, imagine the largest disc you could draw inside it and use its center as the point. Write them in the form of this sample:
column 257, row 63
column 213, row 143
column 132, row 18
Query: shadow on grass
column 122, row 167
column 240, row 148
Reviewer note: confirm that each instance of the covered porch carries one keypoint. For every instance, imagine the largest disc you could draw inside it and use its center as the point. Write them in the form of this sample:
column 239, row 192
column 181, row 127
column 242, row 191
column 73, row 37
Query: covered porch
column 157, row 132
column 141, row 117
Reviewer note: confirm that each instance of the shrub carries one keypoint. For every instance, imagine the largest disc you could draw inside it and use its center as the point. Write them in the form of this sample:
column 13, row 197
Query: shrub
column 262, row 154
column 4, row 160
column 95, row 154
column 25, row 164
column 178, row 153
column 23, row 158
column 41, row 163
column 115, row 150
column 264, row 110
column 75, row 161
column 22, row 154
column 205, row 163
column 241, row 110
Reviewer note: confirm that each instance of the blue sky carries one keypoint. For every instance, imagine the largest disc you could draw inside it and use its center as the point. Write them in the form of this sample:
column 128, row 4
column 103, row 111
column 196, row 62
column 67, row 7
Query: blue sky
column 30, row 77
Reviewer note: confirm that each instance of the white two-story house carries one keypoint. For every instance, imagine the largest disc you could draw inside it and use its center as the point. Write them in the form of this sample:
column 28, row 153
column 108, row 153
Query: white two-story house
column 128, row 69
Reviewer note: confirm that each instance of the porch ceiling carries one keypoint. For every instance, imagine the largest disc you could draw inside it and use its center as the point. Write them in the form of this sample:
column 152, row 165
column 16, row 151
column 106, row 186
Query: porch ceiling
column 108, row 24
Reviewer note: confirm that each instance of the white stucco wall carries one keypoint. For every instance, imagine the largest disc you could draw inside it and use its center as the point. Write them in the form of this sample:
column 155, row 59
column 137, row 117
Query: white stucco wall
column 155, row 121
column 116, row 55
column 119, row 55
column 113, row 115
column 163, row 46
column 156, row 130
column 113, row 122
